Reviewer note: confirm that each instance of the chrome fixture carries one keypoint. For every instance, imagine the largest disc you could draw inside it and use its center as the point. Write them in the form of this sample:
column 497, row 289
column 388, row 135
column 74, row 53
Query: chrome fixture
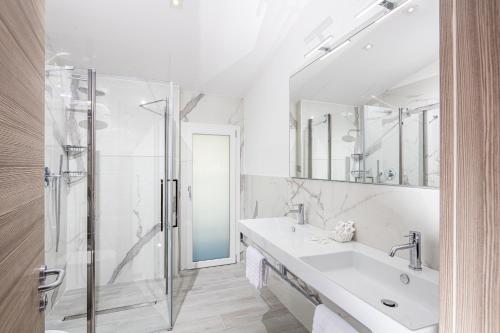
column 349, row 137
column 414, row 245
column 389, row 303
column 112, row 310
column 44, row 288
column 48, row 176
column 282, row 271
column 320, row 47
column 91, row 201
column 404, row 278
column 85, row 90
column 300, row 213
column 390, row 7
column 146, row 106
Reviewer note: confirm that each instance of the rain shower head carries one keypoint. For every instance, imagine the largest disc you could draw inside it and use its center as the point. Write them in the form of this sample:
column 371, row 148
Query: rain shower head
column 99, row 124
column 349, row 137
column 85, row 90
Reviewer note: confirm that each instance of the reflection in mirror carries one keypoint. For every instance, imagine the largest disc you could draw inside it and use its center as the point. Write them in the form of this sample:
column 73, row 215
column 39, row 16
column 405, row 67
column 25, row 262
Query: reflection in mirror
column 369, row 112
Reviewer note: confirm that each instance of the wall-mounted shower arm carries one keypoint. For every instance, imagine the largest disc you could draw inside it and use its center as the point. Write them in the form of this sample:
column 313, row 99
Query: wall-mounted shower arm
column 144, row 106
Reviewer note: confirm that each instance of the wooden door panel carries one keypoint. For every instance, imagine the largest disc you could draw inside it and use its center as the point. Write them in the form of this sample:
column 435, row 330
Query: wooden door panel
column 470, row 169
column 21, row 163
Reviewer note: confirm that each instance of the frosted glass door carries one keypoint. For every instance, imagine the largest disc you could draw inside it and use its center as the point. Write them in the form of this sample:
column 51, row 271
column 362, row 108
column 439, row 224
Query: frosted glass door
column 211, row 197
column 209, row 194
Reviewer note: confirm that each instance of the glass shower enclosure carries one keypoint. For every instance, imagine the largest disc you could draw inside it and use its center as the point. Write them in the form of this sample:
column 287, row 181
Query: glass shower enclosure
column 118, row 200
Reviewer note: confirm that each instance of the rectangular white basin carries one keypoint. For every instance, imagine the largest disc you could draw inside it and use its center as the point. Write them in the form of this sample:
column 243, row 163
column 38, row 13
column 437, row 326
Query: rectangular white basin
column 372, row 281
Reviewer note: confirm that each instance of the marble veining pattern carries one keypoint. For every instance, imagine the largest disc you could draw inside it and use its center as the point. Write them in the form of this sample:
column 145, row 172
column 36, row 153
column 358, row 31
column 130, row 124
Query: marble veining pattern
column 382, row 214
column 134, row 251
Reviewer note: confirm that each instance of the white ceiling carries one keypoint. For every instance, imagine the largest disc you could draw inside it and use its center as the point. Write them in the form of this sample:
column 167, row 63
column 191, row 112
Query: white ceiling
column 403, row 44
column 216, row 46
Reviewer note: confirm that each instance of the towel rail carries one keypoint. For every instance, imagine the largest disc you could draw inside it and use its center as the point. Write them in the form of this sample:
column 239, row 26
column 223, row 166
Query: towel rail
column 283, row 272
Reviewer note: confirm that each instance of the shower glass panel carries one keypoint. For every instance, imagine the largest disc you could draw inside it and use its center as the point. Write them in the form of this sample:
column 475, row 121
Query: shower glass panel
column 133, row 211
column 381, row 146
column 131, row 232
column 211, row 197
column 420, row 146
column 66, row 106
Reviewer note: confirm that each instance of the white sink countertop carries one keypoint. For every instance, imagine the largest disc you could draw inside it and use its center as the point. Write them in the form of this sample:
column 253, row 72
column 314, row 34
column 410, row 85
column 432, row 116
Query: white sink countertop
column 354, row 276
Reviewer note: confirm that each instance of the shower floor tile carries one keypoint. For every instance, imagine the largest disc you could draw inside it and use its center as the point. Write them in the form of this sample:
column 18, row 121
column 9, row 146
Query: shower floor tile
column 217, row 299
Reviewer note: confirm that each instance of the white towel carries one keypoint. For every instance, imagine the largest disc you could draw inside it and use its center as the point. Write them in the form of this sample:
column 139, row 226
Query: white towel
column 256, row 271
column 327, row 321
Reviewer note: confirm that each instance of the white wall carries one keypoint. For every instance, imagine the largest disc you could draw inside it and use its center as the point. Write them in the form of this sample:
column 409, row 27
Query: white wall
column 266, row 103
column 266, row 119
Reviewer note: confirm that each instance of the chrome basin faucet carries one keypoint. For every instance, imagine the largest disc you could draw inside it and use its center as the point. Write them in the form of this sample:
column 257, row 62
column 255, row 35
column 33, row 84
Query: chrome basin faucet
column 300, row 213
column 414, row 244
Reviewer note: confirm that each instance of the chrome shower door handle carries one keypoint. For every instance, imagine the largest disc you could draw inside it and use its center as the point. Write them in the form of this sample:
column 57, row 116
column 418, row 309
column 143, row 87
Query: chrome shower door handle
column 44, row 288
column 44, row 272
column 189, row 192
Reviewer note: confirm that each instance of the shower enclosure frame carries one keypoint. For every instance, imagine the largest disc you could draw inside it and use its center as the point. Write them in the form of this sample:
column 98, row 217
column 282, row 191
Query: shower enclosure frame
column 91, row 156
column 167, row 204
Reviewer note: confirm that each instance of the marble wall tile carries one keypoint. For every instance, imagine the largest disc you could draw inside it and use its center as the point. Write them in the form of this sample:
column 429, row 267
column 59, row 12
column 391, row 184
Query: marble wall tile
column 382, row 214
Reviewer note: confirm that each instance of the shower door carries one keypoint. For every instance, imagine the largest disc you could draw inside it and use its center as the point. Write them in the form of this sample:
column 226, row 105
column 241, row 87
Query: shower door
column 109, row 157
column 133, row 214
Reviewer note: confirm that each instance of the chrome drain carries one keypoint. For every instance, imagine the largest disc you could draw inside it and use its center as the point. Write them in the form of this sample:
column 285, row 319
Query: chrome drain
column 389, row 303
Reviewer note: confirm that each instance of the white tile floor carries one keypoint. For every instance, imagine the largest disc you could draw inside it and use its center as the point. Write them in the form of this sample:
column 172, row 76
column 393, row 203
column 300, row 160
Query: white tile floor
column 217, row 299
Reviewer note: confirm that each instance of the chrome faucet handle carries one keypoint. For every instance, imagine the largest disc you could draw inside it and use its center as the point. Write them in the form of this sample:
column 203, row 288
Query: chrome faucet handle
column 415, row 247
column 413, row 236
column 301, row 212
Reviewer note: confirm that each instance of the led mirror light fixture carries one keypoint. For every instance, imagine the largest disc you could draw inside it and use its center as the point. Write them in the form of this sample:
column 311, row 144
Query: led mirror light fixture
column 335, row 49
column 318, row 47
column 367, row 9
column 392, row 11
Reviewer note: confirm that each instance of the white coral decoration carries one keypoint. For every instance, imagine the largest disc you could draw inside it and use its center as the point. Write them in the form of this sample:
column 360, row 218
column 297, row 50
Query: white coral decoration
column 344, row 231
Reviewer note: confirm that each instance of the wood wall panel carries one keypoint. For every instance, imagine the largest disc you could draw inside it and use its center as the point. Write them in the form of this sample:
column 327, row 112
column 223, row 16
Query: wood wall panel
column 18, row 188
column 21, row 163
column 446, row 239
column 19, row 306
column 470, row 203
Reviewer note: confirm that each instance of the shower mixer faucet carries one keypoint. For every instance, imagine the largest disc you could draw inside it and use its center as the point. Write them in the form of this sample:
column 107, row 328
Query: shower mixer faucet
column 300, row 213
column 414, row 245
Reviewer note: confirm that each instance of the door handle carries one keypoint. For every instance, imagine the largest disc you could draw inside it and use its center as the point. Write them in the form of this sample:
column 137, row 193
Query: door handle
column 44, row 272
column 44, row 288
column 175, row 211
column 161, row 205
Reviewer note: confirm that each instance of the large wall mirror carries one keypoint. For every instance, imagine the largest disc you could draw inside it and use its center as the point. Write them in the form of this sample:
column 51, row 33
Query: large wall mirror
column 367, row 108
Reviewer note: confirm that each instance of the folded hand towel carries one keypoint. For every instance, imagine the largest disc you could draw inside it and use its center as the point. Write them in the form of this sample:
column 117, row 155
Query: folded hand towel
column 256, row 271
column 327, row 321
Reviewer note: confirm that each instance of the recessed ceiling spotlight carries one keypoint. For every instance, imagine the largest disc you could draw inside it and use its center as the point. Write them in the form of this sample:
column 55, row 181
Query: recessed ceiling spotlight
column 176, row 3
column 368, row 47
column 410, row 10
